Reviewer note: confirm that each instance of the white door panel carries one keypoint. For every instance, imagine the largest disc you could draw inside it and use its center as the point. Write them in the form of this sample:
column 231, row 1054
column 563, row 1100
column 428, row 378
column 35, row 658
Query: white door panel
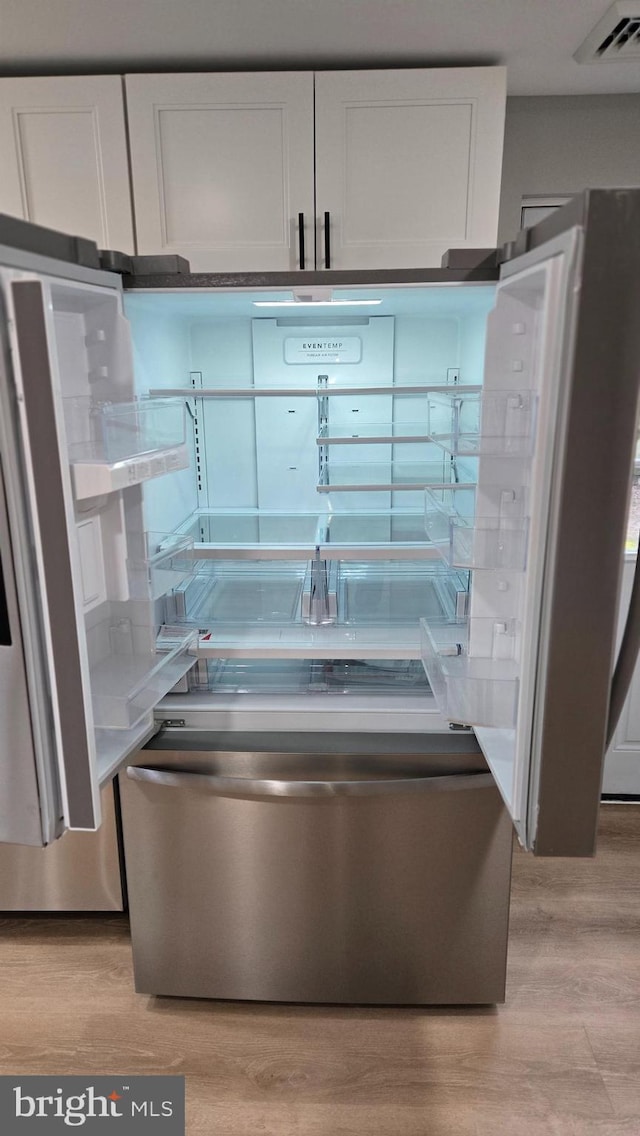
column 64, row 156
column 222, row 167
column 407, row 164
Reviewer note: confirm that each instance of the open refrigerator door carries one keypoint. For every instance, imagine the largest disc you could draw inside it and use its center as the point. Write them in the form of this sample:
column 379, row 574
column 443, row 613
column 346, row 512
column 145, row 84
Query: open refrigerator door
column 77, row 448
column 531, row 668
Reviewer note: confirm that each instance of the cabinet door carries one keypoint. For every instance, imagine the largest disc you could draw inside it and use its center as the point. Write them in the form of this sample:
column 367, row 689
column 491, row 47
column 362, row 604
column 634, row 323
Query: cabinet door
column 622, row 763
column 223, row 167
column 64, row 156
column 408, row 164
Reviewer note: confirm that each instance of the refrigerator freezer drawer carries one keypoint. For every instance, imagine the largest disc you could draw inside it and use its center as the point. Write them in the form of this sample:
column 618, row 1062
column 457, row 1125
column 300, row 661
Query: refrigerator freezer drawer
column 317, row 878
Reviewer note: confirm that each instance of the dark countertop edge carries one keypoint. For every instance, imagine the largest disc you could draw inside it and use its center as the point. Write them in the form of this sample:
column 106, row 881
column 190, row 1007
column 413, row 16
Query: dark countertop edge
column 282, row 280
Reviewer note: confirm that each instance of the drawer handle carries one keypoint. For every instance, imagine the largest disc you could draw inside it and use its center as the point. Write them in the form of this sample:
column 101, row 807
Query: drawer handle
column 248, row 787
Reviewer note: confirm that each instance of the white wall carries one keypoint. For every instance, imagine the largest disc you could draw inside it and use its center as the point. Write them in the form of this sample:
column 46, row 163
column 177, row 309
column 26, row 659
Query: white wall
column 222, row 351
column 562, row 144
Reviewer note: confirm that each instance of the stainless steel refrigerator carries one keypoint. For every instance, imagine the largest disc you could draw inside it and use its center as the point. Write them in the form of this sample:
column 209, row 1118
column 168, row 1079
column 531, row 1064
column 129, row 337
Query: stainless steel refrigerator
column 345, row 550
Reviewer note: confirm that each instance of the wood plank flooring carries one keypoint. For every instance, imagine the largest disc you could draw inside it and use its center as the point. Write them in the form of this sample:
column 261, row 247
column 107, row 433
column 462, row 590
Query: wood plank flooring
column 561, row 1058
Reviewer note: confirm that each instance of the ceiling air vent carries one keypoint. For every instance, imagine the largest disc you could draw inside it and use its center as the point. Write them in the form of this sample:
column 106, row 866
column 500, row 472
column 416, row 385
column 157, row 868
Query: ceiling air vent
column 615, row 38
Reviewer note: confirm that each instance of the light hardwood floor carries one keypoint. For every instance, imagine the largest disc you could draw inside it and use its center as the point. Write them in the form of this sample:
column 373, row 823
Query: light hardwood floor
column 561, row 1058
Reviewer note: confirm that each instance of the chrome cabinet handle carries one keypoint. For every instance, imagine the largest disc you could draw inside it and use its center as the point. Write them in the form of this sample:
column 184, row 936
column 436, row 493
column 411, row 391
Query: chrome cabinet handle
column 301, row 239
column 327, row 240
column 249, row 787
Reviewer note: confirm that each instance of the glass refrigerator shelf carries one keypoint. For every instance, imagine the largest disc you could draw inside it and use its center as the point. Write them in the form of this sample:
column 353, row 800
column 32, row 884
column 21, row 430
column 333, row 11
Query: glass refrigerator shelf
column 371, row 433
column 347, row 477
column 406, row 387
column 295, row 641
column 253, row 534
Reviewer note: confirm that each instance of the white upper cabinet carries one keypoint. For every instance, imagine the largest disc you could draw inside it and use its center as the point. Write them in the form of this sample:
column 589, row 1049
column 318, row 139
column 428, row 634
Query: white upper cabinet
column 223, row 168
column 408, row 164
column 64, row 156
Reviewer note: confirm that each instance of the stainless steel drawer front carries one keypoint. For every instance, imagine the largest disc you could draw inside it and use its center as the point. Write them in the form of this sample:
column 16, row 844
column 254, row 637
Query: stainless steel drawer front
column 286, row 877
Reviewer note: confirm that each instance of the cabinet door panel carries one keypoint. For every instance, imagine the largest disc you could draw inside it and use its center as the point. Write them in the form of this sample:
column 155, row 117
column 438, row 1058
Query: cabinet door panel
column 222, row 166
column 408, row 163
column 65, row 157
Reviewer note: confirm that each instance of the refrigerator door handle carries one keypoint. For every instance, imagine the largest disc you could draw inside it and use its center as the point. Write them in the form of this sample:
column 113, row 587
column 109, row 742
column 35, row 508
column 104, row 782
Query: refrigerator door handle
column 249, row 787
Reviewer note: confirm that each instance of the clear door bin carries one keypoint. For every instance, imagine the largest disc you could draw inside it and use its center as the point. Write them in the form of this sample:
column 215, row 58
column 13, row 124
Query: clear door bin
column 499, row 423
column 158, row 563
column 115, row 431
column 479, row 689
column 115, row 444
column 142, row 427
column 127, row 685
column 497, row 539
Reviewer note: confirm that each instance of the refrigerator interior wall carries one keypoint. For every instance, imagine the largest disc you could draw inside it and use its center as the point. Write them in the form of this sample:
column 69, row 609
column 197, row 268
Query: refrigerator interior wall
column 315, row 434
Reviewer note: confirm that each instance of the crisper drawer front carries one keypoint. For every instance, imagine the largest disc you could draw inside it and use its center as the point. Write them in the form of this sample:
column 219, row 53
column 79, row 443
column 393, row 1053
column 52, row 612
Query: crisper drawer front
column 312, row 878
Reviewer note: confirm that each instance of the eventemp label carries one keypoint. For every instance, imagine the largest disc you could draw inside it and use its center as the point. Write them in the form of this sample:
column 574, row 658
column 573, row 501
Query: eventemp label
column 323, row 349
